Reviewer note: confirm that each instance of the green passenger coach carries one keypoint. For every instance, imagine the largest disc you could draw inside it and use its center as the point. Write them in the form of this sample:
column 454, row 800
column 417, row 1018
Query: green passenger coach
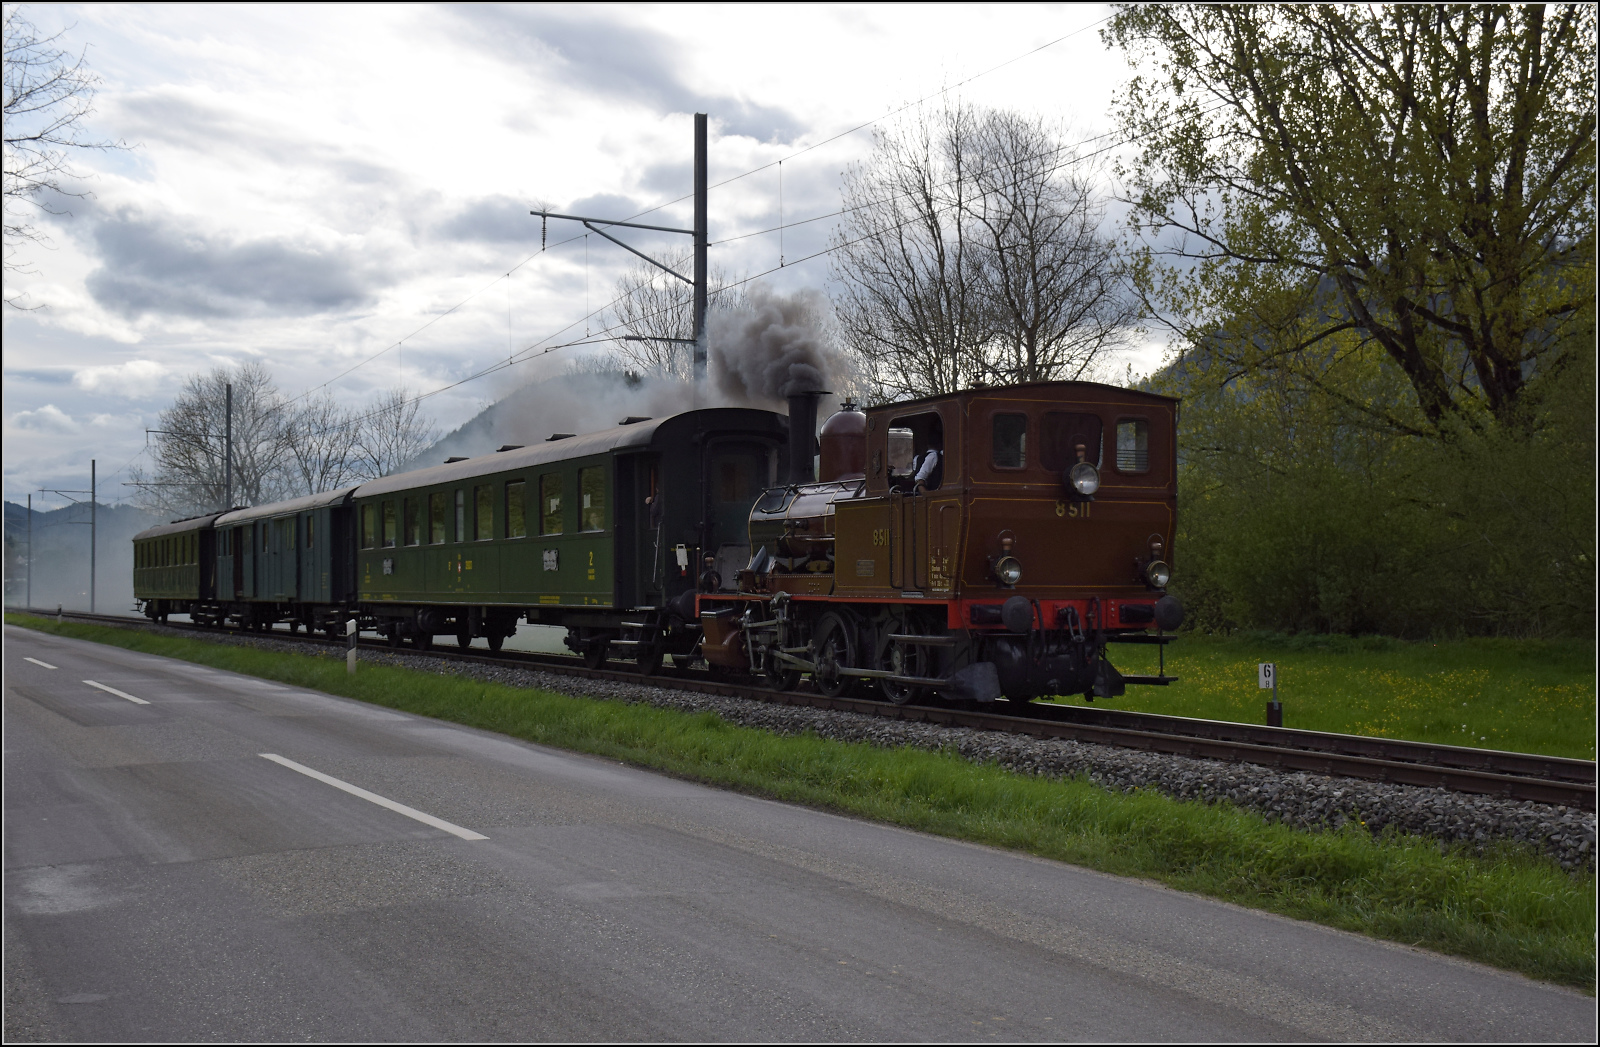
column 287, row 561
column 174, row 566
column 595, row 532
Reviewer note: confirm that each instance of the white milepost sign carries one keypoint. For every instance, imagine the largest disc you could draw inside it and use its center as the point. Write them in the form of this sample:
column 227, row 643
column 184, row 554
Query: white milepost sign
column 1267, row 675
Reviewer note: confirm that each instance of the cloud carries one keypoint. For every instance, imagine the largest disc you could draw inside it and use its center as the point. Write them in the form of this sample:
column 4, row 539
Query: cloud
column 158, row 266
column 174, row 116
column 492, row 219
column 133, row 379
column 613, row 59
column 46, row 419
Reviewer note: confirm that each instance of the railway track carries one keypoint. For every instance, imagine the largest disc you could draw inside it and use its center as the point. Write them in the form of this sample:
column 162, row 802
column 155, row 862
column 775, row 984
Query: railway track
column 1517, row 776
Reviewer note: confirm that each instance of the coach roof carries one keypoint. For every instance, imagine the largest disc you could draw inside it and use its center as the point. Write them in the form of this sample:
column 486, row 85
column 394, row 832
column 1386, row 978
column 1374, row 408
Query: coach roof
column 193, row 523
column 293, row 505
column 617, row 438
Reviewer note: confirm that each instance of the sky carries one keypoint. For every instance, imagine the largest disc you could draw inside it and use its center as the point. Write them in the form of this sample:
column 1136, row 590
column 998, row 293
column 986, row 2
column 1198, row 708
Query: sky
column 343, row 192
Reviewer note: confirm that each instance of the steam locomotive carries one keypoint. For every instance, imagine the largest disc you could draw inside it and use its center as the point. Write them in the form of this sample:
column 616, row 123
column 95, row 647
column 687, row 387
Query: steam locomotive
column 986, row 544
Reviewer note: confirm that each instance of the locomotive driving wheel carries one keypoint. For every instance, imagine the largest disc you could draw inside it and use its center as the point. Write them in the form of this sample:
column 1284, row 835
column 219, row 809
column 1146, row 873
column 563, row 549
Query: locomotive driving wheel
column 780, row 675
column 594, row 656
column 901, row 658
column 836, row 649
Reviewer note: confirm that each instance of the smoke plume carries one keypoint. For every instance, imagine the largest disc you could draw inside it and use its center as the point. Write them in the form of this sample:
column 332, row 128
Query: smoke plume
column 774, row 345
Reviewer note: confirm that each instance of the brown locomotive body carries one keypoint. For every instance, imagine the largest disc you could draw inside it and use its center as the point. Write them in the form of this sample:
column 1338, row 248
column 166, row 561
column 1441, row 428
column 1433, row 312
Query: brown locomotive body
column 984, row 544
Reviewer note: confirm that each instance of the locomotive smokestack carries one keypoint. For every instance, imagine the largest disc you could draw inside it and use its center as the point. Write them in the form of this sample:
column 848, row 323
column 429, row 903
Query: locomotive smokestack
column 802, row 436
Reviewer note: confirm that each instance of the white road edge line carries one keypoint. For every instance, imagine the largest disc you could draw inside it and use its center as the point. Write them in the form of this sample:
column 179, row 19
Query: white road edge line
column 381, row 801
column 36, row 661
column 119, row 694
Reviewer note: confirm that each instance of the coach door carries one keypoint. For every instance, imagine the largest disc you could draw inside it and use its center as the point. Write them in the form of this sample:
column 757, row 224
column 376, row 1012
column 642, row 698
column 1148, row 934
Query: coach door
column 247, row 562
column 736, row 474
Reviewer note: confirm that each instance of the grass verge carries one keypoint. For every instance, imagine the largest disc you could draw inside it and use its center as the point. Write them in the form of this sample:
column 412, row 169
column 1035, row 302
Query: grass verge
column 1513, row 910
column 1531, row 696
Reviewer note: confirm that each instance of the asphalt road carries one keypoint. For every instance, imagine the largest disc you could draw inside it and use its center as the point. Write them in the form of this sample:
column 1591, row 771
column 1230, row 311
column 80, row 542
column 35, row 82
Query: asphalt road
column 166, row 881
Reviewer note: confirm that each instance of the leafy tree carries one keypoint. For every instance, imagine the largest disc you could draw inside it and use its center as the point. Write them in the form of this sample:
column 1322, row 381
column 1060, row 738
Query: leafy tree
column 1420, row 177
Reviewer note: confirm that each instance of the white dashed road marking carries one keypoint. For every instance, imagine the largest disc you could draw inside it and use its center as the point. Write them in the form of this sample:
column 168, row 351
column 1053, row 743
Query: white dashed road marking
column 119, row 694
column 36, row 661
column 381, row 801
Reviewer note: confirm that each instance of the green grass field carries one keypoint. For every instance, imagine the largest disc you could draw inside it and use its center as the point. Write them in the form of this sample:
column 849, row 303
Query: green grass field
column 1525, row 696
column 1514, row 909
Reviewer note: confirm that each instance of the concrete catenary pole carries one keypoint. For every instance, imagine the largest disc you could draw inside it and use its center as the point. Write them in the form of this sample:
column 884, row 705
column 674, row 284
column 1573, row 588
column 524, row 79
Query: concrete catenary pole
column 699, row 246
column 227, row 454
column 30, row 551
column 92, row 542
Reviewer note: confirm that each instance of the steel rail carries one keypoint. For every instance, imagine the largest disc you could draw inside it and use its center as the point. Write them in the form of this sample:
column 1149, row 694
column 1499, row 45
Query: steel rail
column 1517, row 776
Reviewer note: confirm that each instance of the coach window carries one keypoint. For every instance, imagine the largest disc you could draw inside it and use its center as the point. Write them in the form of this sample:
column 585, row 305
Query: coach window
column 1133, row 445
column 265, row 530
column 550, row 503
column 592, row 487
column 413, row 522
column 483, row 502
column 1062, row 433
column 516, row 520
column 369, row 526
column 388, row 525
column 1010, row 441
column 461, row 515
column 436, row 511
column 311, row 531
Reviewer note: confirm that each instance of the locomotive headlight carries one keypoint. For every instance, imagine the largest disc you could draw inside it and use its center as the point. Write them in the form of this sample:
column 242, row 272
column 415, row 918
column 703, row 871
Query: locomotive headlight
column 1158, row 573
column 1084, row 478
column 1008, row 570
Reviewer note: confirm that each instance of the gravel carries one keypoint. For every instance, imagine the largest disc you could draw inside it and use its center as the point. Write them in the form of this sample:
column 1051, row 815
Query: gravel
column 1297, row 798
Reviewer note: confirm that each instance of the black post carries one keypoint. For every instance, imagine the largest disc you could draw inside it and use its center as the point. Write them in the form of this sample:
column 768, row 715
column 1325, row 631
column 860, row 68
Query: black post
column 92, row 542
column 227, row 452
column 699, row 246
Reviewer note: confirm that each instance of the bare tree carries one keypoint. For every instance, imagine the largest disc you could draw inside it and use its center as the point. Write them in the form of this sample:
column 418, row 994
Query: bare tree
column 908, row 304
column 49, row 95
column 1053, row 286
column 389, row 435
column 970, row 251
column 654, row 314
column 187, row 474
column 319, row 440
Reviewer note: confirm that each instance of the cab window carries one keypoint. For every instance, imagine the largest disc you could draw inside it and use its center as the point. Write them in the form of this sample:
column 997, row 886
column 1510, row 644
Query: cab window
column 927, row 452
column 1010, row 441
column 1133, row 445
